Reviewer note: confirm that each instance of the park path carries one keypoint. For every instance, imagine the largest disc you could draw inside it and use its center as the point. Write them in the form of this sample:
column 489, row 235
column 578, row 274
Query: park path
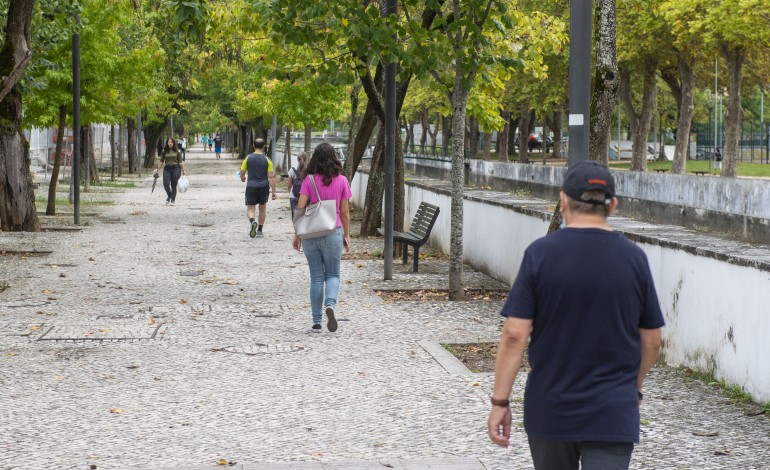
column 164, row 337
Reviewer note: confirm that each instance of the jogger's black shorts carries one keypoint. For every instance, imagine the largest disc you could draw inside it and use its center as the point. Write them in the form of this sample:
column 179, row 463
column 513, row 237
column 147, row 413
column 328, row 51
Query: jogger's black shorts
column 256, row 196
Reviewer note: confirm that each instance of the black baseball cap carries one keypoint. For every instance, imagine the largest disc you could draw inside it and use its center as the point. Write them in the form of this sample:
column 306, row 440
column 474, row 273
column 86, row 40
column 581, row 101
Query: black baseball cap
column 588, row 176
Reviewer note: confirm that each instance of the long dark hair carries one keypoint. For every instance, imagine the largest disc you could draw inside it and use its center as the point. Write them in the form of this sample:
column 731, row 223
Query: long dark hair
column 324, row 162
column 301, row 165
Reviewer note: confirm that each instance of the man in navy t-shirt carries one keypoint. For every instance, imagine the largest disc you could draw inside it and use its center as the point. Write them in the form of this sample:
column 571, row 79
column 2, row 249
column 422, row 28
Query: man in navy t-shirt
column 585, row 299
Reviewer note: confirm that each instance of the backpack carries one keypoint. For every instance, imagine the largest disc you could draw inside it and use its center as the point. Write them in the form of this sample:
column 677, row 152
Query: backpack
column 296, row 184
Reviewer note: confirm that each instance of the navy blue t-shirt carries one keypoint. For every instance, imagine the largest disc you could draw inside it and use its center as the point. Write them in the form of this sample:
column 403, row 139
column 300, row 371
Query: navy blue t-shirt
column 587, row 292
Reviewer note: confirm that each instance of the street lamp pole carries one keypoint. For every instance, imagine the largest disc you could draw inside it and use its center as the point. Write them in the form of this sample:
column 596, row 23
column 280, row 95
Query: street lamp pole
column 581, row 16
column 76, row 122
column 391, row 9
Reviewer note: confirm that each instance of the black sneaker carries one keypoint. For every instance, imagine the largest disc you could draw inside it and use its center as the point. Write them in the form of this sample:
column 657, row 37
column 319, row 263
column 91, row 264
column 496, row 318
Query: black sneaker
column 253, row 232
column 332, row 322
column 315, row 329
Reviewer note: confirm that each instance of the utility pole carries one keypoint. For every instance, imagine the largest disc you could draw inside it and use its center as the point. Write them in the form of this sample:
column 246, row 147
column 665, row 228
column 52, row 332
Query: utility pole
column 581, row 16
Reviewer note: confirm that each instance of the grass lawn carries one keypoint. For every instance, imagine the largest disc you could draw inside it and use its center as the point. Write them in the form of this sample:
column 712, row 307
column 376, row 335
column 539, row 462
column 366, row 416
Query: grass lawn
column 41, row 202
column 743, row 169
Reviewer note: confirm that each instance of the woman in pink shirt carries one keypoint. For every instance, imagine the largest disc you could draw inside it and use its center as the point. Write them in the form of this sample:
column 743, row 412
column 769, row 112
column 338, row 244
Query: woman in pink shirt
column 324, row 254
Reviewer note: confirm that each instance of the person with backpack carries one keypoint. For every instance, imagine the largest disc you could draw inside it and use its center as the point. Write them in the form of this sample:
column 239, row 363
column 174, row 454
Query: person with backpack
column 296, row 176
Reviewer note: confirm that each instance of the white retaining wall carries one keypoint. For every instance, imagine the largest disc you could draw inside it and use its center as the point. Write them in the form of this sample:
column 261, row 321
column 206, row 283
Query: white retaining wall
column 738, row 196
column 717, row 314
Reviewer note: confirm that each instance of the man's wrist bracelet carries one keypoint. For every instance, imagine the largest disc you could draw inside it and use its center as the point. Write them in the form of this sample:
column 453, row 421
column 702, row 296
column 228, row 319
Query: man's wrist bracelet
column 501, row 402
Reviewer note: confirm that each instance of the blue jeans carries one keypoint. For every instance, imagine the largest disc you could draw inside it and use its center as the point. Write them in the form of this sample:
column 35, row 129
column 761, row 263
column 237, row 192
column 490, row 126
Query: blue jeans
column 323, row 258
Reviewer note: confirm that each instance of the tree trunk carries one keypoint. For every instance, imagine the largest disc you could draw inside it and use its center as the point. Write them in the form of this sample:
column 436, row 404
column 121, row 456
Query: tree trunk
column 410, row 137
column 513, row 125
column 121, row 150
column 51, row 206
column 604, row 95
column 473, row 134
column 17, row 197
column 372, row 218
column 308, row 137
column 446, row 130
column 152, row 135
column 735, row 57
column 686, row 110
column 243, row 141
column 287, row 150
column 487, row 153
column 524, row 115
column 459, row 103
column 434, row 133
column 423, row 128
column 361, row 141
column 354, row 122
column 132, row 157
column 502, row 137
column 640, row 123
column 553, row 121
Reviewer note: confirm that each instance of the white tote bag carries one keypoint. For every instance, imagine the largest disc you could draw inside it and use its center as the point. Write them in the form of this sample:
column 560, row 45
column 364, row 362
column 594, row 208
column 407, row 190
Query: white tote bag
column 316, row 220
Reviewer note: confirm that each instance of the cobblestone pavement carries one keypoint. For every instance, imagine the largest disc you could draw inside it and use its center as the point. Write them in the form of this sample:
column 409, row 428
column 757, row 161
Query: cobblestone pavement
column 164, row 337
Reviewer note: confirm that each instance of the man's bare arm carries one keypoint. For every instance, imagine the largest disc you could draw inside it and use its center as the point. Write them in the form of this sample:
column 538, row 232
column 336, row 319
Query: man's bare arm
column 650, row 349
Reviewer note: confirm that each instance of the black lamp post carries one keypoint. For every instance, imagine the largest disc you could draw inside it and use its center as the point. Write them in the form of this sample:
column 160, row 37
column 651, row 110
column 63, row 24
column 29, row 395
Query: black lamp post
column 76, row 122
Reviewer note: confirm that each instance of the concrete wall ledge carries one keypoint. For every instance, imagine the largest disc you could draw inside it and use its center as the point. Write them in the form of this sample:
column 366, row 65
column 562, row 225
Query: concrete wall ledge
column 724, row 249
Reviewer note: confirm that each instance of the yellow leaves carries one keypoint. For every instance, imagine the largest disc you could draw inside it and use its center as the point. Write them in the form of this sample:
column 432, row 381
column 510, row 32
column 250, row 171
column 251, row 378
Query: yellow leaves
column 222, row 462
column 117, row 411
column 182, row 301
column 345, row 22
column 152, row 321
column 47, row 292
column 359, row 265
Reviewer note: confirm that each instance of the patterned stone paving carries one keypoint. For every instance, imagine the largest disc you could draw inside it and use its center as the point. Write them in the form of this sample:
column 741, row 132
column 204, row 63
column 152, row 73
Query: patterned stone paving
column 224, row 377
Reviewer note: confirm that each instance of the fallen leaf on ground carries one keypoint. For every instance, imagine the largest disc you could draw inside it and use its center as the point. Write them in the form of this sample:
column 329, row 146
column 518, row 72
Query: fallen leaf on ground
column 723, row 452
column 46, row 291
column 182, row 301
column 316, row 454
column 705, row 433
column 117, row 410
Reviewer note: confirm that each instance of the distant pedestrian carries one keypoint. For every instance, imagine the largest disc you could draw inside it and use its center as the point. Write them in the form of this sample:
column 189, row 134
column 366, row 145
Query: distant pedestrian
column 324, row 254
column 585, row 299
column 173, row 168
column 258, row 169
column 218, row 145
column 296, row 176
column 182, row 146
column 211, row 142
column 718, row 159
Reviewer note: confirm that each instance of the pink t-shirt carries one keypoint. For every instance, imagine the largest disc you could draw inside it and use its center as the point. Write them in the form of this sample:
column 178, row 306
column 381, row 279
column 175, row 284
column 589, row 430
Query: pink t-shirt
column 338, row 190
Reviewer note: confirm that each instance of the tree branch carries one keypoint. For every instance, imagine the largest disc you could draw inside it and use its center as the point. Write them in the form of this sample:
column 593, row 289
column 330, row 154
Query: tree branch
column 10, row 81
column 370, row 88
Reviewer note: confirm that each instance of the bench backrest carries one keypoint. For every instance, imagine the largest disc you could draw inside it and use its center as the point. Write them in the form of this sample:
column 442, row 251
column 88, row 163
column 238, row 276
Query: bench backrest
column 424, row 219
